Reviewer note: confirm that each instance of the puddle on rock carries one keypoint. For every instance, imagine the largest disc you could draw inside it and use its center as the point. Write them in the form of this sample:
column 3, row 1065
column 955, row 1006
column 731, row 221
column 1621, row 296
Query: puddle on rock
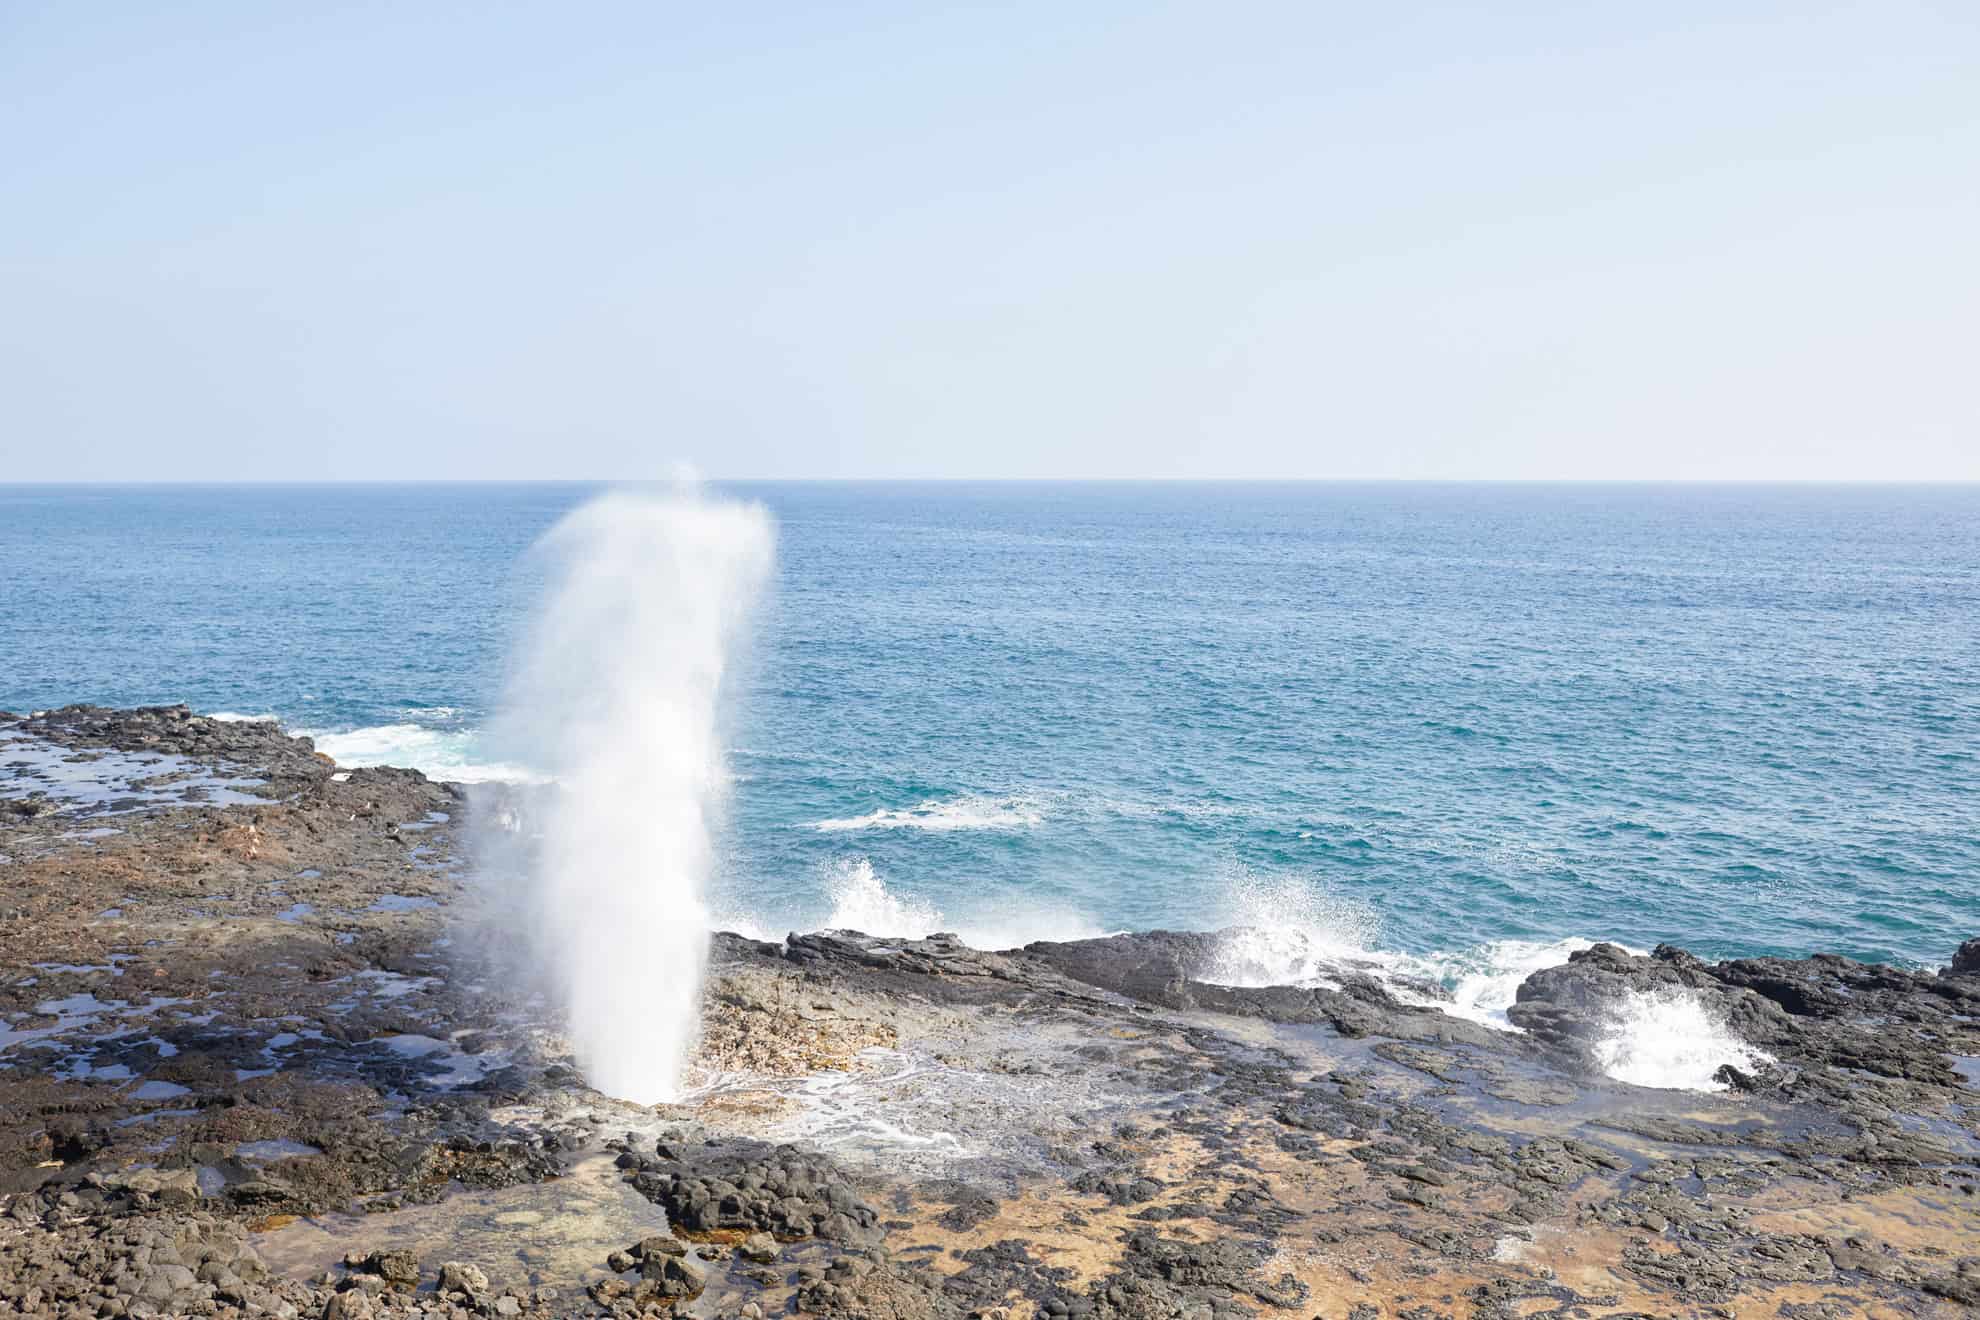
column 101, row 781
column 553, row 1234
column 278, row 1149
column 402, row 903
column 448, row 1065
column 157, row 1090
column 903, row 1111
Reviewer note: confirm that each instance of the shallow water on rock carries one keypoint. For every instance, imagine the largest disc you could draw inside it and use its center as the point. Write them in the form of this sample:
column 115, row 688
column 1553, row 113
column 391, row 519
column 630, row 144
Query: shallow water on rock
column 101, row 782
column 452, row 1066
column 554, row 1233
column 992, row 1108
column 276, row 1149
column 402, row 903
column 156, row 1090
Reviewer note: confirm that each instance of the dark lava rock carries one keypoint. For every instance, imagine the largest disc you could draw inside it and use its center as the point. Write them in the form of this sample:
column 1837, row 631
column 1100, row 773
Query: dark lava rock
column 1163, row 1277
column 1965, row 962
column 1575, row 1004
column 257, row 747
column 876, row 1287
column 399, row 1269
column 1735, row 1079
column 753, row 1186
column 678, row 1276
column 1864, row 1043
column 1122, row 1187
column 468, row 1280
column 968, row 1207
column 1823, row 1012
column 1162, row 967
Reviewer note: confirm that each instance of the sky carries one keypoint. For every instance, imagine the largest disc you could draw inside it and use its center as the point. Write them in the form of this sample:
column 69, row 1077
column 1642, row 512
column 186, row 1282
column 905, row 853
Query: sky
column 1245, row 239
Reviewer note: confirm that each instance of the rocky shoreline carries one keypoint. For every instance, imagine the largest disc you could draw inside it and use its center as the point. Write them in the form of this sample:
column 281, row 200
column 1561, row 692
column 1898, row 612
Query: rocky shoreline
column 245, row 1069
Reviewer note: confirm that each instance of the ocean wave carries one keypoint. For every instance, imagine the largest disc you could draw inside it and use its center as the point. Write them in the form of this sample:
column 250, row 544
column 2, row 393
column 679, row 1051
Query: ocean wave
column 962, row 813
column 859, row 899
column 433, row 712
column 1015, row 811
column 862, row 901
column 1484, row 980
column 449, row 754
column 236, row 717
column 1670, row 1040
column 1283, row 928
column 1276, row 929
column 1287, row 928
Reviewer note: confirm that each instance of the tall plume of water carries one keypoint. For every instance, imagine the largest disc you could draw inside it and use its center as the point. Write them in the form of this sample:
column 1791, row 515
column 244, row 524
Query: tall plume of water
column 596, row 874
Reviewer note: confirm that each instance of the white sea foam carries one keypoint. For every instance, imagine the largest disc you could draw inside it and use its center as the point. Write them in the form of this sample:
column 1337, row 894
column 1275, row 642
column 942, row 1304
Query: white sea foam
column 1669, row 1039
column 236, row 717
column 1484, row 980
column 616, row 700
column 961, row 813
column 862, row 901
column 1021, row 810
column 748, row 924
column 1285, row 929
column 1276, row 928
column 456, row 755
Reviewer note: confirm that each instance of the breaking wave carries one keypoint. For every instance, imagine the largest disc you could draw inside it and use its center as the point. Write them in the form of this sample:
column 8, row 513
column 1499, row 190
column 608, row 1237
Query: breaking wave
column 1670, row 1040
column 1285, row 928
column 1277, row 927
column 859, row 899
column 963, row 813
column 1484, row 980
column 450, row 754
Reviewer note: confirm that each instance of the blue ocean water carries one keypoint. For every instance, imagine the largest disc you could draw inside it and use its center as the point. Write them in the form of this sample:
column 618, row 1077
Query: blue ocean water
column 1456, row 721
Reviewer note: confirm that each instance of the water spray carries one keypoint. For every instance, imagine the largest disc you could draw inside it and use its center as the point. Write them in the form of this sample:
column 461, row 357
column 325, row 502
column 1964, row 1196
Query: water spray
column 615, row 699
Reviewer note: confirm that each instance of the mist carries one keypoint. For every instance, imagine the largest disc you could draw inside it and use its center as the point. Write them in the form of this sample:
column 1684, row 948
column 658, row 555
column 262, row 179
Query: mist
column 597, row 874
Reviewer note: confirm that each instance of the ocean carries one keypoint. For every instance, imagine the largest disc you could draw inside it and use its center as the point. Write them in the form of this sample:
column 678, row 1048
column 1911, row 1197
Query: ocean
column 1462, row 728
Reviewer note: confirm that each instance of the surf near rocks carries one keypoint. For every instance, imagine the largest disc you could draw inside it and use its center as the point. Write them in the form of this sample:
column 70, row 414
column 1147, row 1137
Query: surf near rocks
column 241, row 1045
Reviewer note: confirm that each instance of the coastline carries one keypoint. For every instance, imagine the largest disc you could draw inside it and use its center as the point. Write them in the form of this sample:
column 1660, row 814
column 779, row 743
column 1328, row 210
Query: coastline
column 252, row 1074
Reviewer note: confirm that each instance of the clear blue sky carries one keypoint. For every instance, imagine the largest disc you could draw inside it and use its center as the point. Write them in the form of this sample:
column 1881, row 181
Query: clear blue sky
column 433, row 240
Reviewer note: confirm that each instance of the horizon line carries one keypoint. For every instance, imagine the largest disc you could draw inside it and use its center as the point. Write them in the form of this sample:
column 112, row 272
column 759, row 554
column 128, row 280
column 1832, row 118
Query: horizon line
column 246, row 482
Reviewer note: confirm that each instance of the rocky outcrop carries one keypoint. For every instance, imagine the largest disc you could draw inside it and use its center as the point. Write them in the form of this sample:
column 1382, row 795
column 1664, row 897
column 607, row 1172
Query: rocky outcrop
column 1165, row 968
column 238, row 1011
column 752, row 1187
column 256, row 747
column 1575, row 1004
column 1966, row 960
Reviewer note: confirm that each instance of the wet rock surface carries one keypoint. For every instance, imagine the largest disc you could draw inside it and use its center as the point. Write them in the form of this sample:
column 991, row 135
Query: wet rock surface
column 750, row 1187
column 245, row 1069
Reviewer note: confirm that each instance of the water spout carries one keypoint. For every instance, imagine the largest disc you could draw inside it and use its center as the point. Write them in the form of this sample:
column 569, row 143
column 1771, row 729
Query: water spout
column 599, row 871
